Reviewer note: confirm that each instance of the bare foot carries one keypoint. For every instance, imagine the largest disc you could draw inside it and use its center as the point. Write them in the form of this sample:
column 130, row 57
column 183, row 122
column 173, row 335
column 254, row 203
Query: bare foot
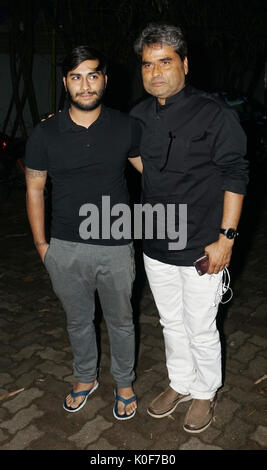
column 126, row 393
column 78, row 387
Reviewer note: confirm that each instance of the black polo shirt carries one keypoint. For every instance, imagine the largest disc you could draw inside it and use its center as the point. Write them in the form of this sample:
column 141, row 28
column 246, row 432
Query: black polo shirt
column 84, row 165
column 192, row 150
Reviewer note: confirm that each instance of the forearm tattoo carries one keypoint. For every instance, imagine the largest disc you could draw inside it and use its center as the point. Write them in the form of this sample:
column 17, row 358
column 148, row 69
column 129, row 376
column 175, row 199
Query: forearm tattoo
column 30, row 173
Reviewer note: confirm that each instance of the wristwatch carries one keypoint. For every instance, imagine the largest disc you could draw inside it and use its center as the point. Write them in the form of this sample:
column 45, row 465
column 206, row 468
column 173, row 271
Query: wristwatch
column 229, row 233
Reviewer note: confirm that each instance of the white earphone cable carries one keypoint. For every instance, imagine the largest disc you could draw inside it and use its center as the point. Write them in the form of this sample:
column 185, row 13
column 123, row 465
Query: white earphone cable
column 226, row 286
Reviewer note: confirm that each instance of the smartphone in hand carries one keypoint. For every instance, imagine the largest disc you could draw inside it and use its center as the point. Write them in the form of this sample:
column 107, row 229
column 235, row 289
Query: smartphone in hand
column 202, row 264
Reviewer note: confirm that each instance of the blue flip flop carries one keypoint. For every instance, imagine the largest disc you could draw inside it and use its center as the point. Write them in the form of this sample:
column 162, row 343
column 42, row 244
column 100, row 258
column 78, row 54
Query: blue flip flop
column 126, row 402
column 85, row 393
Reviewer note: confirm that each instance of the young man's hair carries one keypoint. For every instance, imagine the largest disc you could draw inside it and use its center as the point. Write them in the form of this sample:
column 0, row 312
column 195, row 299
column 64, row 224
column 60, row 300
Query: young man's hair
column 162, row 34
column 79, row 54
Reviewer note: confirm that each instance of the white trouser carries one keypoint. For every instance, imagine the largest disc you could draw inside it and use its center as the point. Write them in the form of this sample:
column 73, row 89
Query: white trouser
column 188, row 305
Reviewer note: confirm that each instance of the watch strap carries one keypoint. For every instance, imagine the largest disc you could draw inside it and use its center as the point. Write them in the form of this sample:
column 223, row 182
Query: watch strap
column 229, row 232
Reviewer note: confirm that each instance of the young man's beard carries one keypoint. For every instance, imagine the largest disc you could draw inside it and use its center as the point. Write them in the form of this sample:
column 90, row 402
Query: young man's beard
column 87, row 106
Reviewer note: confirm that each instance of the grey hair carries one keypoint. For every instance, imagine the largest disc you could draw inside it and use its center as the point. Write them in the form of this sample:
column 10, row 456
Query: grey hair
column 162, row 34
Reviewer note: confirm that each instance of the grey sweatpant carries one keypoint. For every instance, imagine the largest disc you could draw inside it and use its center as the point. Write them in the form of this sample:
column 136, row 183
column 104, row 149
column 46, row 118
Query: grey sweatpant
column 76, row 271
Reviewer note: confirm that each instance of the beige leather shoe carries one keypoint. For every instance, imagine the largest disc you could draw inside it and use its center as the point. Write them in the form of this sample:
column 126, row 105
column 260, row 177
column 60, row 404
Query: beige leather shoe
column 166, row 402
column 199, row 415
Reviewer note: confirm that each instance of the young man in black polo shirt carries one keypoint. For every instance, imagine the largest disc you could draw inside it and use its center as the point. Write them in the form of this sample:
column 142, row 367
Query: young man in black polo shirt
column 192, row 150
column 84, row 150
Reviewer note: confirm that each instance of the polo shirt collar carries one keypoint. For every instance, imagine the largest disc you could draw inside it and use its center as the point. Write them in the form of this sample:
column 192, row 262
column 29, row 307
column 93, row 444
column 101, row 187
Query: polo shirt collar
column 67, row 124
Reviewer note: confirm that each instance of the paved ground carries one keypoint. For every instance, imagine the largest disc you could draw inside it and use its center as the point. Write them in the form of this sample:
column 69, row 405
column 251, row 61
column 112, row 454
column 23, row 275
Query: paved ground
column 36, row 359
